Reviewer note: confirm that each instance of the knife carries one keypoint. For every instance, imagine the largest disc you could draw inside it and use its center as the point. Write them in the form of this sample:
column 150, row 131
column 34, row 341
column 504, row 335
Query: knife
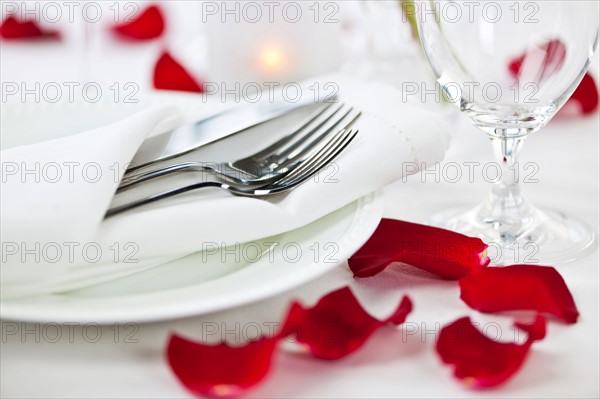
column 188, row 137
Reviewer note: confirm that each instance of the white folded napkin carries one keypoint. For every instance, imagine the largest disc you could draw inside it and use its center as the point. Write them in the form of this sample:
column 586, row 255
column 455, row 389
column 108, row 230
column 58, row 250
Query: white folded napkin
column 54, row 237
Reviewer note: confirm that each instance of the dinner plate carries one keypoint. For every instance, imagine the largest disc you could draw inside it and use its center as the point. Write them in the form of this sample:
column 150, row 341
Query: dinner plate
column 214, row 279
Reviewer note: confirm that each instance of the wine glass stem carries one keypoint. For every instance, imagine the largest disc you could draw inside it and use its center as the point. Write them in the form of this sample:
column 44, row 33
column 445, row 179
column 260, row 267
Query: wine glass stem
column 505, row 210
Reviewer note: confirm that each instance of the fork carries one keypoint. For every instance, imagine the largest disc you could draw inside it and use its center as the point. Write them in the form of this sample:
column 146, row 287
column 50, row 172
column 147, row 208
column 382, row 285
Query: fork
column 269, row 163
column 318, row 159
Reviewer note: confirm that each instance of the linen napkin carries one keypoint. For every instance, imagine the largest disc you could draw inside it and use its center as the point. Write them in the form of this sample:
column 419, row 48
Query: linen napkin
column 45, row 217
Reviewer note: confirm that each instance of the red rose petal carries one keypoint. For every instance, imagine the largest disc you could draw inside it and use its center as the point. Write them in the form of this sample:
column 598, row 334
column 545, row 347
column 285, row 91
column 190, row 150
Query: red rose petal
column 150, row 24
column 586, row 95
column 551, row 58
column 13, row 29
column 170, row 75
column 479, row 361
column 519, row 287
column 536, row 331
column 544, row 60
column 448, row 254
column 220, row 370
column 337, row 325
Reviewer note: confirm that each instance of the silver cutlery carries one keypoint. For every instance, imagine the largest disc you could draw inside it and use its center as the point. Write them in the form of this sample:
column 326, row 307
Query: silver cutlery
column 269, row 163
column 317, row 159
column 188, row 137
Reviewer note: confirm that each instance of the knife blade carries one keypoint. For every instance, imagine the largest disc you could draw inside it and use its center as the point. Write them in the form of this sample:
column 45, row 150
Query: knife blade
column 189, row 137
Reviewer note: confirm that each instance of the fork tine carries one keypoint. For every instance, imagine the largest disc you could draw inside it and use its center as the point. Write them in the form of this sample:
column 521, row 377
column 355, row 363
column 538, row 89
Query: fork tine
column 314, row 156
column 328, row 123
column 321, row 143
column 320, row 158
column 281, row 148
column 290, row 157
column 346, row 121
column 317, row 162
column 292, row 135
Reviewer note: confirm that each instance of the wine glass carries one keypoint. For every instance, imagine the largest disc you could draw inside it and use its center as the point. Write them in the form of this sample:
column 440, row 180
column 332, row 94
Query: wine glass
column 510, row 66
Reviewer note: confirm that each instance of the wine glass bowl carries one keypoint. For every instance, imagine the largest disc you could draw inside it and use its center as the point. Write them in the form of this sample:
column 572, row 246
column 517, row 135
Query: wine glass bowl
column 509, row 67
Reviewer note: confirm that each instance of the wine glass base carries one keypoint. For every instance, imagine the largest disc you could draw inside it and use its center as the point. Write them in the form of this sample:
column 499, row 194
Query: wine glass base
column 549, row 237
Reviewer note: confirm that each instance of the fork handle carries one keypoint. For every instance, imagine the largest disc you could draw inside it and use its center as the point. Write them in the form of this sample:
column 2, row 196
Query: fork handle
column 221, row 170
column 164, row 195
column 152, row 174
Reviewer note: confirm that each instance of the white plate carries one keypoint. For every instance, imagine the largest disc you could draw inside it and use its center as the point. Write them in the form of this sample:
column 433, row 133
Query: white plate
column 181, row 288
column 200, row 283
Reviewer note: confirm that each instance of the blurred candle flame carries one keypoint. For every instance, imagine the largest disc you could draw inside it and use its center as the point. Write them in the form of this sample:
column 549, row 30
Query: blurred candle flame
column 272, row 60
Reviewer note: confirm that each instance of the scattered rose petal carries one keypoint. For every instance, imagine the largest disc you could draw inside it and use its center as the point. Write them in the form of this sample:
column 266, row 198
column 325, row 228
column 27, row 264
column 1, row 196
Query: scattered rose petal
column 14, row 29
column 519, row 287
column 547, row 59
column 479, row 361
column 585, row 96
column 445, row 253
column 541, row 61
column 170, row 75
column 150, row 24
column 220, row 370
column 536, row 331
column 337, row 325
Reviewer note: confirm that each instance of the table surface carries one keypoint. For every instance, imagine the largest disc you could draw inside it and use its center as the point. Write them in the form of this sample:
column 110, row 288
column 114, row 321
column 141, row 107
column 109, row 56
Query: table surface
column 394, row 363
